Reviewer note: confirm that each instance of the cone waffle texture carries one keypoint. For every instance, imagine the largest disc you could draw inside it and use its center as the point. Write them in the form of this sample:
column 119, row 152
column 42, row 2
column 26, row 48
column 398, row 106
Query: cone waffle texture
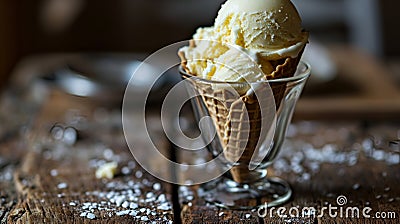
column 238, row 118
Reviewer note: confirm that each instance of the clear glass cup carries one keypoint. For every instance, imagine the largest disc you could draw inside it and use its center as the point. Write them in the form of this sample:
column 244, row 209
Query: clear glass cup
column 250, row 120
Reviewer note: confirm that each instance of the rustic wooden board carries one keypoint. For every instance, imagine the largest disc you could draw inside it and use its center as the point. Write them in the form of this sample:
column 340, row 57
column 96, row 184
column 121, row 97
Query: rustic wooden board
column 55, row 182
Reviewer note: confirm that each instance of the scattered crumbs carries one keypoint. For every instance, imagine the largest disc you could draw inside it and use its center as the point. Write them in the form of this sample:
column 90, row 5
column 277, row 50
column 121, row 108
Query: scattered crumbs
column 70, row 136
column 149, row 195
column 53, row 172
column 247, row 216
column 306, row 155
column 119, row 200
column 133, row 213
column 90, row 216
column 125, row 204
column 162, row 198
column 125, row 170
column 133, row 205
column 139, row 174
column 124, row 212
column 107, row 170
column 356, row 186
column 392, row 159
column 125, row 198
column 164, row 206
column 62, row 185
column 131, row 164
column 330, row 195
column 221, row 213
column 108, row 154
column 186, row 194
column 378, row 155
column 304, row 177
column 157, row 186
column 367, row 203
column 96, row 163
column 145, row 182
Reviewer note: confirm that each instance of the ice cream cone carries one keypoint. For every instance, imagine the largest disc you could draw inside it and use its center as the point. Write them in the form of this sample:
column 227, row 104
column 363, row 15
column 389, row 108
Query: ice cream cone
column 238, row 123
column 284, row 68
column 238, row 119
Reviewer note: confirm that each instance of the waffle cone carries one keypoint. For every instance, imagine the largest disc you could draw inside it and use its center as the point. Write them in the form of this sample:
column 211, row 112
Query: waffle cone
column 238, row 119
column 284, row 68
column 238, row 123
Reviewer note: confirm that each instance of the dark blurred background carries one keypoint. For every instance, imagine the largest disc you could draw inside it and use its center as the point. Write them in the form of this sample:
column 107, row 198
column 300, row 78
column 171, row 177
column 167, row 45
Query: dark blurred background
column 53, row 26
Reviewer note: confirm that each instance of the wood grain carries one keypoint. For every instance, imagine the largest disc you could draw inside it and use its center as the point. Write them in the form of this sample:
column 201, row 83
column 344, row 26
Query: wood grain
column 54, row 184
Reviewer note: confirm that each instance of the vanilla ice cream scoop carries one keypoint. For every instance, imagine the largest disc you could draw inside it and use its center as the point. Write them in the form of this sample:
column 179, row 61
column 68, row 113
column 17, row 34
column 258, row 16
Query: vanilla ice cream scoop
column 266, row 31
column 260, row 25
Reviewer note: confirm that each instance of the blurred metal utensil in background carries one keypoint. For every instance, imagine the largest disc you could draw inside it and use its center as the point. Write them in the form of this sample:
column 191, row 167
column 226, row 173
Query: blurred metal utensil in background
column 104, row 77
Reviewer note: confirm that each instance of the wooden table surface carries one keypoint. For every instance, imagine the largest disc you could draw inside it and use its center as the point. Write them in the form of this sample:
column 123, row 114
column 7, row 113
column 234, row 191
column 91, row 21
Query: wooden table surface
column 45, row 179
